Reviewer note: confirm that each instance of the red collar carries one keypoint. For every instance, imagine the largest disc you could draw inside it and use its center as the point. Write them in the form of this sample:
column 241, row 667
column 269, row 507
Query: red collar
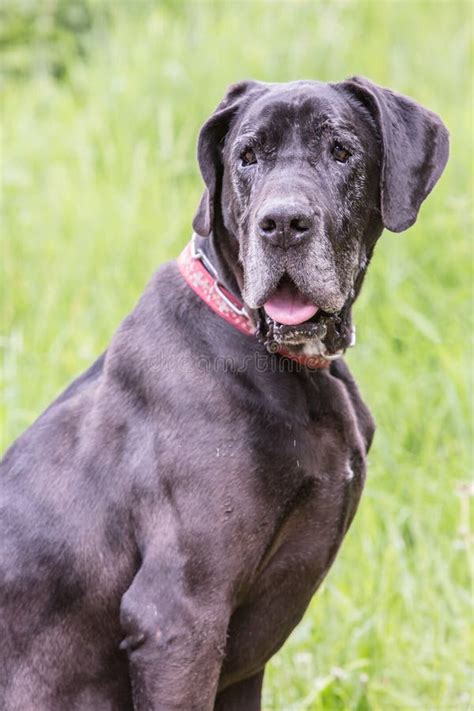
column 198, row 272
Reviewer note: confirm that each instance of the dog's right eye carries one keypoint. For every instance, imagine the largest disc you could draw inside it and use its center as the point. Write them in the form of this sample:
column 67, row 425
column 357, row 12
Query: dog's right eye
column 248, row 157
column 340, row 154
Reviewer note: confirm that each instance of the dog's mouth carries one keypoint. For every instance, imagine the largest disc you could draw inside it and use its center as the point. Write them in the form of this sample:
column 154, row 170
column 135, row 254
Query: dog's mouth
column 290, row 319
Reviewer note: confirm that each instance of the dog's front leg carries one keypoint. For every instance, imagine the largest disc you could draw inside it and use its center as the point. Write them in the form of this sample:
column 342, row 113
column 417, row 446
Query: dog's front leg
column 175, row 638
column 244, row 695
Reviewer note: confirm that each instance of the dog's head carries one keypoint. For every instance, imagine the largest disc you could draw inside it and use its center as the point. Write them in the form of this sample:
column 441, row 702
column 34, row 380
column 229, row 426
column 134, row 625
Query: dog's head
column 304, row 176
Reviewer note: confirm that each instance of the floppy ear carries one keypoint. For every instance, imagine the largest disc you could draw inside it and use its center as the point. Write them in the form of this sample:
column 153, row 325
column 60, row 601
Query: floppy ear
column 211, row 138
column 415, row 146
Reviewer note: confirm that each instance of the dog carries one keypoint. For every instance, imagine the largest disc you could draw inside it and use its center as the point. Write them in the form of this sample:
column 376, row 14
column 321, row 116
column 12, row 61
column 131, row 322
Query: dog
column 167, row 520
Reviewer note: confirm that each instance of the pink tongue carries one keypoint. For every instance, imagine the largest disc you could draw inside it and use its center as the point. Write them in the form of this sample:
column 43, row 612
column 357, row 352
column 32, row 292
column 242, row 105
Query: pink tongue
column 289, row 307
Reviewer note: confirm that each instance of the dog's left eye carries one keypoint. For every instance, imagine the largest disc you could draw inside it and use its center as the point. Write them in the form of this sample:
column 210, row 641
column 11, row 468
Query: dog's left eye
column 340, row 153
column 248, row 157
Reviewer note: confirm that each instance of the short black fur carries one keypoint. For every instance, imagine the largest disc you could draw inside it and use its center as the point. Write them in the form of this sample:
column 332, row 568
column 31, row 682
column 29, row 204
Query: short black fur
column 165, row 522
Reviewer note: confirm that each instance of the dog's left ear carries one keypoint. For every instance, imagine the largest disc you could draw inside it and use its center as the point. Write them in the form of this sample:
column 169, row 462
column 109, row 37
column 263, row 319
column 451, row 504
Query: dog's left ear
column 209, row 152
column 415, row 146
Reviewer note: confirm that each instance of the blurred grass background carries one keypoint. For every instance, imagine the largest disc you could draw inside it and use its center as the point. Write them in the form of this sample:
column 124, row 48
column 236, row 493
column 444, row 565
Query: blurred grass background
column 101, row 105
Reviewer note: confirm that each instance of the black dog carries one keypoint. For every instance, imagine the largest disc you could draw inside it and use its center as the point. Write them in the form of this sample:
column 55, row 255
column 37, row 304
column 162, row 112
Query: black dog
column 167, row 520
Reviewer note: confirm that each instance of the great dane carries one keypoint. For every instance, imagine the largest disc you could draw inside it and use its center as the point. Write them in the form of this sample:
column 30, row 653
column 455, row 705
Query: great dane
column 167, row 520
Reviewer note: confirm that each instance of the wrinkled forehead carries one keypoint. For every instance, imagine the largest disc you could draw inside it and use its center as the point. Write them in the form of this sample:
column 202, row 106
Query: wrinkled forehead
column 299, row 108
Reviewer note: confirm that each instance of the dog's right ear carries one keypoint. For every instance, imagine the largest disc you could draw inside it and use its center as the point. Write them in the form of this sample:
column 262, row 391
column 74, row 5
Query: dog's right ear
column 209, row 152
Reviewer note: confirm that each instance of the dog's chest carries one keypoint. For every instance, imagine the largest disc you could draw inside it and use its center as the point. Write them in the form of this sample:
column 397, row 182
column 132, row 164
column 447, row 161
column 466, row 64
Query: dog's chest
column 320, row 479
column 312, row 486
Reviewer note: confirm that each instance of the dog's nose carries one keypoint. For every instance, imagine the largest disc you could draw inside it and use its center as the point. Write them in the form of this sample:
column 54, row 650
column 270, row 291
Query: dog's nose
column 285, row 225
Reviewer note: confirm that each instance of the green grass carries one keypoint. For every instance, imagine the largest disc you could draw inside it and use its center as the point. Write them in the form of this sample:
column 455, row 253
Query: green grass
column 100, row 185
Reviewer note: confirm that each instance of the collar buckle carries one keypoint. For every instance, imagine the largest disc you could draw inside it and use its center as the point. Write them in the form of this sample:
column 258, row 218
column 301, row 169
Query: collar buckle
column 197, row 253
